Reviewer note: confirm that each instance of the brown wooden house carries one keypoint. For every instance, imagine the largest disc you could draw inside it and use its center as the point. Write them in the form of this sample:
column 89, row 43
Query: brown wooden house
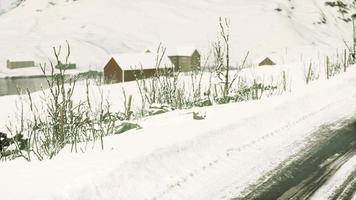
column 19, row 64
column 185, row 59
column 128, row 67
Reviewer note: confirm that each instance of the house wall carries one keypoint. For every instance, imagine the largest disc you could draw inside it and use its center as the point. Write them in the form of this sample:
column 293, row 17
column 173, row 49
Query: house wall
column 186, row 63
column 130, row 75
column 182, row 63
column 195, row 60
column 175, row 62
column 19, row 64
column 112, row 72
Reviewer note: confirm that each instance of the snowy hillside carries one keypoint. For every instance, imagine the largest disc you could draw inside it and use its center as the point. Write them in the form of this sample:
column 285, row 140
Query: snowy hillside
column 98, row 28
column 6, row 5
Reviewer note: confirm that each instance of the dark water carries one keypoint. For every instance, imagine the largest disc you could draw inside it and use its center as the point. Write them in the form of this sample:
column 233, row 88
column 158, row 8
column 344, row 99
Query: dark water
column 300, row 179
column 10, row 86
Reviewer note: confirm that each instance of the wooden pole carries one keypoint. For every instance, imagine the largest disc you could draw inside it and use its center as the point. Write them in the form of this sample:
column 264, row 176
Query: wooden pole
column 327, row 67
column 354, row 38
column 353, row 53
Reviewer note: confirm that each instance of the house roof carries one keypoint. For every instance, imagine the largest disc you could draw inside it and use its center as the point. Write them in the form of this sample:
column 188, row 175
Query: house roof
column 267, row 61
column 275, row 58
column 134, row 61
column 181, row 51
column 19, row 61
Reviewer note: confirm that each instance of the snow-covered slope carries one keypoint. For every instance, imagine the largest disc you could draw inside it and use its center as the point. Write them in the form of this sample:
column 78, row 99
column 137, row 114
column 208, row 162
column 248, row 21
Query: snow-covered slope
column 6, row 5
column 98, row 28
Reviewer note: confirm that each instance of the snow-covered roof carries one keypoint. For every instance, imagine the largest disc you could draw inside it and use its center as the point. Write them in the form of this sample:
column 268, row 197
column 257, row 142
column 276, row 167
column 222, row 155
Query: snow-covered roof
column 19, row 57
column 181, row 51
column 132, row 61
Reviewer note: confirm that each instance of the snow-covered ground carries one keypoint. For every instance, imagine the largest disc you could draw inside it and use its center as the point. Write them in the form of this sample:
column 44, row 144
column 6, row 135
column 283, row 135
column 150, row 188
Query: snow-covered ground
column 176, row 157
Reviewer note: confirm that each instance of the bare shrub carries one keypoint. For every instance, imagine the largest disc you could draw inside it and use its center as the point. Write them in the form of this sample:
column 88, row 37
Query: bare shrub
column 311, row 73
column 56, row 120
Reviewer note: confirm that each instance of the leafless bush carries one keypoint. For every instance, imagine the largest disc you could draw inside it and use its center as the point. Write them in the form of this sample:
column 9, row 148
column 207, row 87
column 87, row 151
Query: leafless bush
column 162, row 87
column 311, row 73
column 333, row 67
column 56, row 120
column 222, row 61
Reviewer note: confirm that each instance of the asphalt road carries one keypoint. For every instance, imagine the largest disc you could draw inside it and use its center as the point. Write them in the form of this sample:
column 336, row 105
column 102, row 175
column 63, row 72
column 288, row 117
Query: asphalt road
column 301, row 178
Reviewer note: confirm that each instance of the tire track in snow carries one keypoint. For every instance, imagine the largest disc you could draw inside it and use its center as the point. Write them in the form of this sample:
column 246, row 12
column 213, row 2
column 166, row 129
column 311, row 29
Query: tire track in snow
column 311, row 168
column 230, row 153
column 347, row 190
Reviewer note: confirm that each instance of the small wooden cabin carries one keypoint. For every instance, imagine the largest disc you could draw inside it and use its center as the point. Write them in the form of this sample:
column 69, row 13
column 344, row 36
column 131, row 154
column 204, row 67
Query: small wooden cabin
column 266, row 61
column 185, row 58
column 68, row 66
column 128, row 67
column 19, row 64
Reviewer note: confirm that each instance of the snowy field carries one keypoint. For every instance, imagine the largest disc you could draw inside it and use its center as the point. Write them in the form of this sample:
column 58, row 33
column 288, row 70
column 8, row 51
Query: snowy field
column 176, row 157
